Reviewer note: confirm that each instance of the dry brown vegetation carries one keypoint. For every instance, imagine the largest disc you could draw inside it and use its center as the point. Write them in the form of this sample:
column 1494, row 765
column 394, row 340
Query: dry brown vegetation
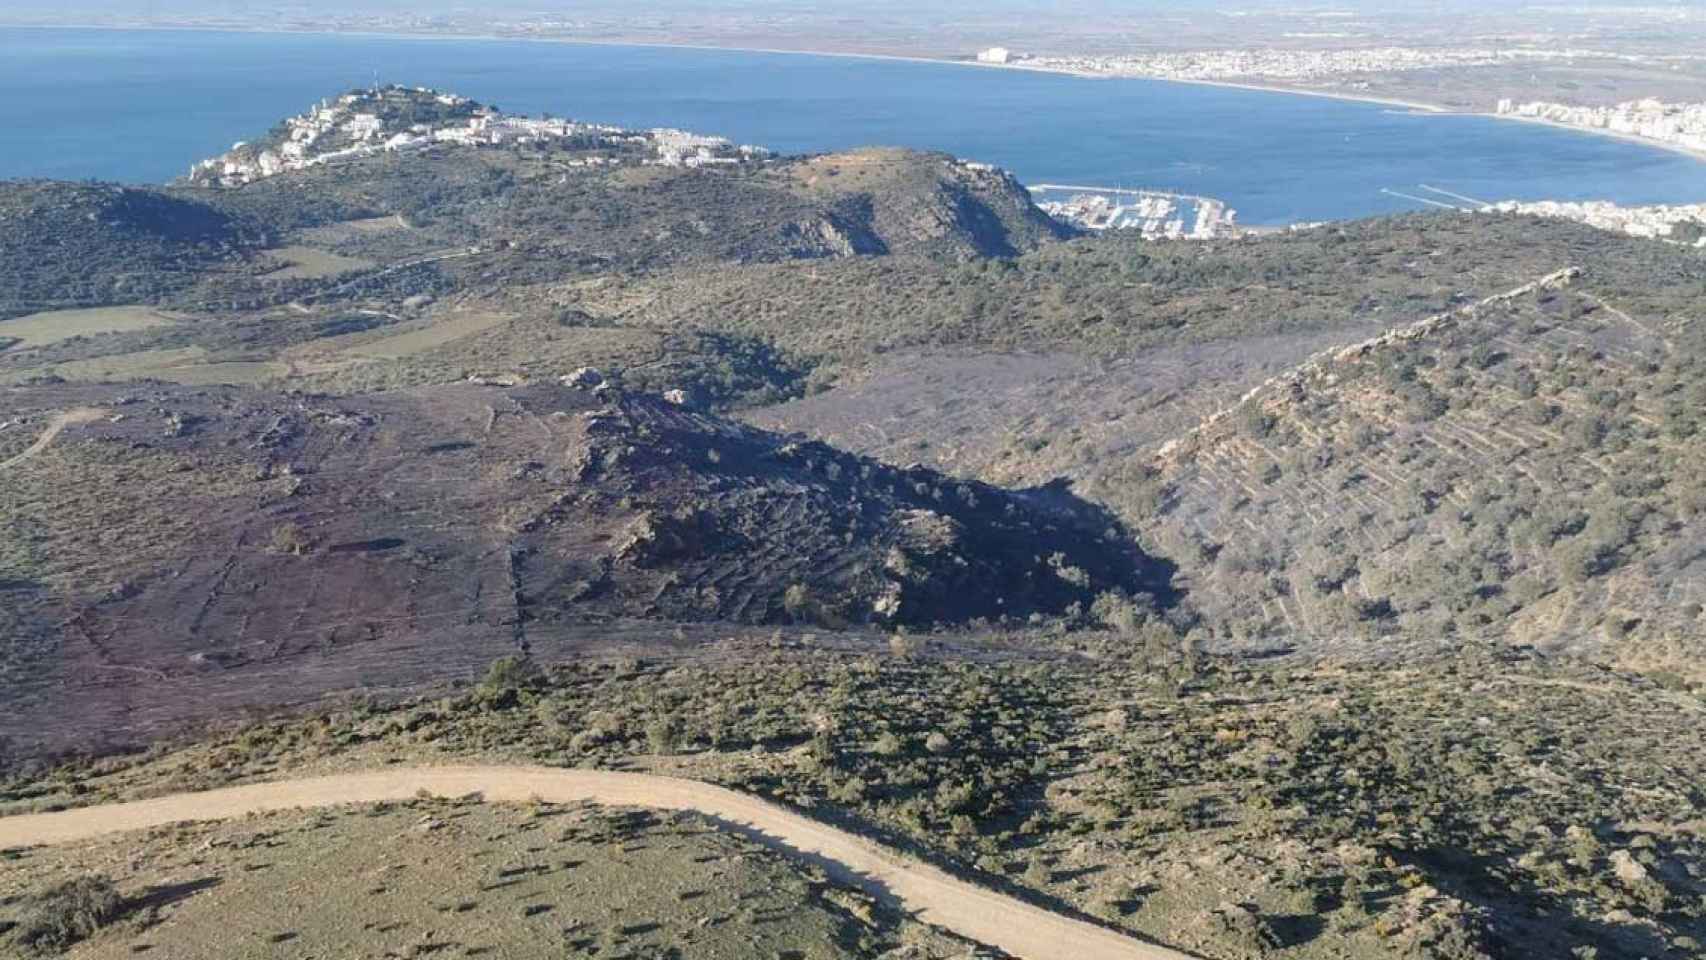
column 231, row 538
column 1325, row 607
column 446, row 877
column 1481, row 805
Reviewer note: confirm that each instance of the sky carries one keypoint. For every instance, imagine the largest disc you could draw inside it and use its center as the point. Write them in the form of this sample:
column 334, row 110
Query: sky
column 923, row 16
column 840, row 8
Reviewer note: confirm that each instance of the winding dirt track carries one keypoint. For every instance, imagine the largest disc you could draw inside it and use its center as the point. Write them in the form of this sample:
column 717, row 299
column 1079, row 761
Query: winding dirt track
column 55, row 427
column 929, row 893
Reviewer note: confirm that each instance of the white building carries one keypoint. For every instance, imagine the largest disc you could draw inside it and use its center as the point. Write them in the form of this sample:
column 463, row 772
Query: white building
column 364, row 126
column 995, row 55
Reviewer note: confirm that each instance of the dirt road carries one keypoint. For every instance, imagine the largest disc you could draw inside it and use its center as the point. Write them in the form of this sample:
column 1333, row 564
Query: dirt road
column 54, row 428
column 931, row 894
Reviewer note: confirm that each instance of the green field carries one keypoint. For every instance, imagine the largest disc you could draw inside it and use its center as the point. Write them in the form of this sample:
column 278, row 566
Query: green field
column 309, row 263
column 414, row 342
column 182, row 365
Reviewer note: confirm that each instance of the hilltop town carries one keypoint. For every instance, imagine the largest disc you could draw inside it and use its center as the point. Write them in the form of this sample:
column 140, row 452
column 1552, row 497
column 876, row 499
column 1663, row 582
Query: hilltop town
column 398, row 119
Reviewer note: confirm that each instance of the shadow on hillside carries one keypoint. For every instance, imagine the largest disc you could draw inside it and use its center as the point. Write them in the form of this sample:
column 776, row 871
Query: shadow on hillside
column 1481, row 879
column 1149, row 574
column 168, row 894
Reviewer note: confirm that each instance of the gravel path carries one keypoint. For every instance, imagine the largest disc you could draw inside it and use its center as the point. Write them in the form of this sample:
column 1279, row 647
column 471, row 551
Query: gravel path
column 931, row 894
column 55, row 427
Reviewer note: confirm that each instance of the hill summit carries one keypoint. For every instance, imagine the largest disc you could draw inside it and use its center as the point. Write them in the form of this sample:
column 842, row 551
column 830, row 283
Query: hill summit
column 398, row 119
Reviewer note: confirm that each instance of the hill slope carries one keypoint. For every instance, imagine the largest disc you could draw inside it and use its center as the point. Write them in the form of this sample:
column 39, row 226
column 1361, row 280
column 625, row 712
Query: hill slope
column 533, row 881
column 568, row 194
column 71, row 245
column 232, row 534
column 543, row 220
column 1526, row 467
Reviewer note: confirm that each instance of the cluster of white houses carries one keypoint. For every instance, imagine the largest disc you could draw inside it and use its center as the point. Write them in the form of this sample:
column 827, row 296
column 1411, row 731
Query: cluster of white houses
column 1679, row 124
column 1685, row 224
column 351, row 127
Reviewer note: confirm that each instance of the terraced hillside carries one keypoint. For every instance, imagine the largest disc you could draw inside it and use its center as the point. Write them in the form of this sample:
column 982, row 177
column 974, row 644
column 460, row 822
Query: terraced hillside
column 163, row 536
column 1528, row 466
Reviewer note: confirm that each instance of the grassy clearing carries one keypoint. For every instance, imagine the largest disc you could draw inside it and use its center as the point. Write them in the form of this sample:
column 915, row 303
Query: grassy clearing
column 178, row 365
column 310, row 263
column 65, row 526
column 377, row 224
column 238, row 372
column 448, row 330
column 40, row 329
column 461, row 878
column 123, row 366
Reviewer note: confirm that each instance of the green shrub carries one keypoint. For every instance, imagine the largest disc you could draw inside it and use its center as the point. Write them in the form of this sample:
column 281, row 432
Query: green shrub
column 68, row 913
column 290, row 539
column 509, row 673
column 662, row 737
column 1116, row 611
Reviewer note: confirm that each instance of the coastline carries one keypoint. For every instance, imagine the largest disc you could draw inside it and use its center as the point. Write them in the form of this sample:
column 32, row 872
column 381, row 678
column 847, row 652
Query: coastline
column 1415, row 106
column 941, row 60
column 1602, row 132
column 1412, row 105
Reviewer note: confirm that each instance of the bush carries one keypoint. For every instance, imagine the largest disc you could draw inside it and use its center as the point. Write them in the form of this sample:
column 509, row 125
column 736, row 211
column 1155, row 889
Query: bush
column 1117, row 612
column 663, row 738
column 69, row 913
column 901, row 645
column 289, row 539
column 799, row 604
column 509, row 673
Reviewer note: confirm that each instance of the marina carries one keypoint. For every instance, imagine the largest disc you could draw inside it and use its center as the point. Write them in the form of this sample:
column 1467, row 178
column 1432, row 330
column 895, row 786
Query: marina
column 1156, row 214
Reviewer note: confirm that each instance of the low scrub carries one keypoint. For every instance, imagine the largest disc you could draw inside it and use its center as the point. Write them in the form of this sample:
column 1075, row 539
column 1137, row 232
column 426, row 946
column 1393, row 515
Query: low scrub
column 68, row 914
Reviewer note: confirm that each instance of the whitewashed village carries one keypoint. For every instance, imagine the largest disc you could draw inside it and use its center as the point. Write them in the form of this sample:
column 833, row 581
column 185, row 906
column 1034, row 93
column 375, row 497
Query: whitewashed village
column 397, row 119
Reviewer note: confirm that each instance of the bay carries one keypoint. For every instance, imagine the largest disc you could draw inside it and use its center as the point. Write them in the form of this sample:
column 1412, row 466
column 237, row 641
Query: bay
column 142, row 106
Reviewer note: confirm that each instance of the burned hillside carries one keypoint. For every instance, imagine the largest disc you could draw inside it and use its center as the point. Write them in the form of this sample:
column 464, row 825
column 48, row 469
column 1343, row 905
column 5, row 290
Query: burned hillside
column 241, row 530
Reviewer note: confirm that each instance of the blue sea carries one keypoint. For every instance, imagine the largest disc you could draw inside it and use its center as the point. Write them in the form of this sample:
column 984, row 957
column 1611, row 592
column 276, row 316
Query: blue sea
column 141, row 106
